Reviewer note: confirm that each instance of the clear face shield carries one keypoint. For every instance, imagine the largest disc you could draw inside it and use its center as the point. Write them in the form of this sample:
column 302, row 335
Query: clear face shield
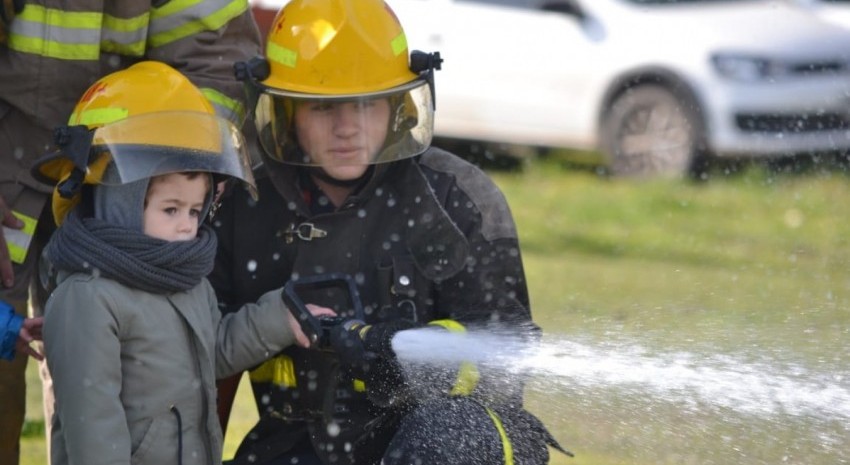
column 345, row 134
column 154, row 144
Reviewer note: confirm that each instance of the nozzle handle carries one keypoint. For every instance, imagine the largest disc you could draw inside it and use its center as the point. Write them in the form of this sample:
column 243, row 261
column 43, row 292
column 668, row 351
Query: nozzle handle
column 315, row 328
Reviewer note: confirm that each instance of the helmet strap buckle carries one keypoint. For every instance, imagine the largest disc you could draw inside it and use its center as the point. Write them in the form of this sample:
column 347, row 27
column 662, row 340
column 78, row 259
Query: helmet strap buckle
column 426, row 63
column 251, row 73
column 75, row 143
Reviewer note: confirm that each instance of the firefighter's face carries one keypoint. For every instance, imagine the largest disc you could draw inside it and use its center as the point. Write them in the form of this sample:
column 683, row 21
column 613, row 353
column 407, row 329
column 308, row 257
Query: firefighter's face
column 342, row 137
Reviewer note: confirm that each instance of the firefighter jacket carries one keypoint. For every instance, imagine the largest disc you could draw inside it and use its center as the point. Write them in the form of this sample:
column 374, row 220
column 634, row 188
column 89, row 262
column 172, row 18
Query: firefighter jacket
column 57, row 48
column 427, row 238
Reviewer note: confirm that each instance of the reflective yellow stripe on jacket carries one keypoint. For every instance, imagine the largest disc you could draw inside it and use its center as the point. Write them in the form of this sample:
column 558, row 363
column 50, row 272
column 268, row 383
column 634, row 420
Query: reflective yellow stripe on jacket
column 468, row 375
column 181, row 18
column 74, row 35
column 56, row 33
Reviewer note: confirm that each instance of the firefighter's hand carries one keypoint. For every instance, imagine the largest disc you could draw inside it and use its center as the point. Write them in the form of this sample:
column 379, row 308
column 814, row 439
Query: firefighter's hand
column 359, row 345
column 348, row 345
column 365, row 351
column 7, row 275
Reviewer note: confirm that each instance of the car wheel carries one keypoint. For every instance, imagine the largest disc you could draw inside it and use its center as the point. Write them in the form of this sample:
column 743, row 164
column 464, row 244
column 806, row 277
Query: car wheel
column 650, row 132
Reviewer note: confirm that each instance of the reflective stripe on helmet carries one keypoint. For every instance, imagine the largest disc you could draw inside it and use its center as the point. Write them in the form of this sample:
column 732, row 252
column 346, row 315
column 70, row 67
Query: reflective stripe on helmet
column 280, row 54
column 99, row 116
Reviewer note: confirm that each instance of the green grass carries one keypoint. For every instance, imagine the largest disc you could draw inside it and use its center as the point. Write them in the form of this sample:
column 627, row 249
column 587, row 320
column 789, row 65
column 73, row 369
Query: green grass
column 756, row 259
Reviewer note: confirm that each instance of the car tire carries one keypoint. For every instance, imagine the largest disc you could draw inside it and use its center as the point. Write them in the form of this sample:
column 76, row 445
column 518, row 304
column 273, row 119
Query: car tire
column 648, row 131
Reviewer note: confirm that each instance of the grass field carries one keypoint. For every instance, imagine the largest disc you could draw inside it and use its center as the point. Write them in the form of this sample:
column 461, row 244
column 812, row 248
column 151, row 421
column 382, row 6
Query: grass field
column 756, row 262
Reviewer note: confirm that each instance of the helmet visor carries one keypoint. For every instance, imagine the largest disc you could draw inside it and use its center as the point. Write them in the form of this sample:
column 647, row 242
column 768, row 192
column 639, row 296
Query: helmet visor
column 154, row 144
column 345, row 130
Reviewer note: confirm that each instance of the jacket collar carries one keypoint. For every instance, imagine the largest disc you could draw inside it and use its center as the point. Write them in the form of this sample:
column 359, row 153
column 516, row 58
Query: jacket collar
column 438, row 247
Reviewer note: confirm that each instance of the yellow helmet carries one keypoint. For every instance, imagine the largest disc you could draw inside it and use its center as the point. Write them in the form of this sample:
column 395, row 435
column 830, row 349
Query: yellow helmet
column 142, row 121
column 335, row 51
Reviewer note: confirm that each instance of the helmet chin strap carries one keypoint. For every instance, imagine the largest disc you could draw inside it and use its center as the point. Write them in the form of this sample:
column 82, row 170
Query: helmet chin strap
column 320, row 173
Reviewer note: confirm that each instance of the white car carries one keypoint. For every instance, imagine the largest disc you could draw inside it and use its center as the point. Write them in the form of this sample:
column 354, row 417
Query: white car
column 833, row 11
column 655, row 86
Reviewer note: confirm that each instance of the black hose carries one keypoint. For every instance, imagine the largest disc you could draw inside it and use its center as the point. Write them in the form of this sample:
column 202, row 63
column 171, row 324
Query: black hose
column 179, row 434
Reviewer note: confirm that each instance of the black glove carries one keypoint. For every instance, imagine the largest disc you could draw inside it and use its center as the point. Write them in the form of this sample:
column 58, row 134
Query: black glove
column 365, row 352
column 355, row 341
column 346, row 342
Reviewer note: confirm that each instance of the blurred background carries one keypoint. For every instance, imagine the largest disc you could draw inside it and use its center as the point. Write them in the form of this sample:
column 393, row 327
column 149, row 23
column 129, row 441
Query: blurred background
column 635, row 87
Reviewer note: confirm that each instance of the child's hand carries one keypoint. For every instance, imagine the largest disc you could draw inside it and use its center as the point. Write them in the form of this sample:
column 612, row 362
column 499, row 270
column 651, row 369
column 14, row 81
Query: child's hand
column 317, row 311
column 30, row 331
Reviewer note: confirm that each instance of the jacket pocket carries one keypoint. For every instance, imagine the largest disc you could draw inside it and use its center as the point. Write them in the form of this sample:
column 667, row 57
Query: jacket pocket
column 151, row 428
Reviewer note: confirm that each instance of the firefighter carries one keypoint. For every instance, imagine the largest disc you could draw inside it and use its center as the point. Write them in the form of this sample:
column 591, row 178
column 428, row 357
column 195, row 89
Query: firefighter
column 344, row 114
column 50, row 53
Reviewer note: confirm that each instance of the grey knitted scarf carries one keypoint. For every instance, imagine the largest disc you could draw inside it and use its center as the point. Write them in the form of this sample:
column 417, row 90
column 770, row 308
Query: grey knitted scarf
column 90, row 245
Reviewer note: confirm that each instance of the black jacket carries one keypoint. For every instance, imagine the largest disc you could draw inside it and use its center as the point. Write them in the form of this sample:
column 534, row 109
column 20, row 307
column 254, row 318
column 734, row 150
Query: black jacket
column 426, row 238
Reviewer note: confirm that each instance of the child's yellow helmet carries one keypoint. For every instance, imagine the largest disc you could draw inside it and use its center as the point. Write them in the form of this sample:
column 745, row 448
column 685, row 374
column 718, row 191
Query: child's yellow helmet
column 144, row 121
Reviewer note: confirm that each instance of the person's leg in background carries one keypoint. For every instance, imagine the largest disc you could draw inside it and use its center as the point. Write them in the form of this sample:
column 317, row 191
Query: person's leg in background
column 12, row 399
column 13, row 375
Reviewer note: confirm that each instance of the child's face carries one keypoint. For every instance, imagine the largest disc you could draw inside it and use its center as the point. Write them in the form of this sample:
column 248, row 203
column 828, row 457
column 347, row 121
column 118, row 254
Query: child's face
column 173, row 206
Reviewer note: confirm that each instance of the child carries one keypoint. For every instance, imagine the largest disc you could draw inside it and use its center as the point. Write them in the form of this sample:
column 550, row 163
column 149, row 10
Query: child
column 17, row 332
column 133, row 335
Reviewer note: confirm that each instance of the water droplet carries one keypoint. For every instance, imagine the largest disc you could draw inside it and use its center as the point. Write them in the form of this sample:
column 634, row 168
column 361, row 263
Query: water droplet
column 252, row 266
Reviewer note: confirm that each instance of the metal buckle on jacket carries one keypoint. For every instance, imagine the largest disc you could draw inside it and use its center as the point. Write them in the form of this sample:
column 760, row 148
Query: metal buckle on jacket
column 305, row 232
